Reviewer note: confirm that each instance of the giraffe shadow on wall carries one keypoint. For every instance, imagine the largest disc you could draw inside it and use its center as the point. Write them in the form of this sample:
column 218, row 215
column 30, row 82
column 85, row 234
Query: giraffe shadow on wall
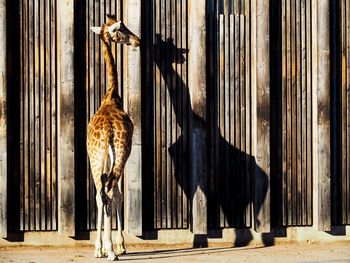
column 231, row 180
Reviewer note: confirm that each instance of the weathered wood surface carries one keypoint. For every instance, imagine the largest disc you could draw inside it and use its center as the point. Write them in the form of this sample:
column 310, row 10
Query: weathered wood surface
column 237, row 114
column 166, row 111
column 32, row 106
column 197, row 88
column 323, row 116
column 344, row 99
column 66, row 171
column 3, row 122
column 132, row 89
column 262, row 132
column 229, row 116
column 295, row 119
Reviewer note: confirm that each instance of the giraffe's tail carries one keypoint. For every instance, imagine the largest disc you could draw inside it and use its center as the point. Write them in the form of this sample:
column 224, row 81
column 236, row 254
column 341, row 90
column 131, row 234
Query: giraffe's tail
column 107, row 174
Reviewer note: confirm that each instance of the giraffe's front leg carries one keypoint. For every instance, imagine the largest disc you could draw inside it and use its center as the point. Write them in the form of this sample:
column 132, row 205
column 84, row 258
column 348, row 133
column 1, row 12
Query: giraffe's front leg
column 118, row 197
column 98, row 243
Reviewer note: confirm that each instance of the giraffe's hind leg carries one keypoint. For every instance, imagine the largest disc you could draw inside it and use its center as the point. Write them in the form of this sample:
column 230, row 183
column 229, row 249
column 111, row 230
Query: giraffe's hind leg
column 107, row 240
column 98, row 243
column 118, row 197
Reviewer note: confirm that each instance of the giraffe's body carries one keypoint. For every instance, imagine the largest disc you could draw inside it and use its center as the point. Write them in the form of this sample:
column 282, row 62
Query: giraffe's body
column 109, row 142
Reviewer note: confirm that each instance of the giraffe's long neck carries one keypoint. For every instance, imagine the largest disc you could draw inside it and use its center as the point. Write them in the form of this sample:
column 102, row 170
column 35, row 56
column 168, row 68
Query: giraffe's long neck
column 112, row 88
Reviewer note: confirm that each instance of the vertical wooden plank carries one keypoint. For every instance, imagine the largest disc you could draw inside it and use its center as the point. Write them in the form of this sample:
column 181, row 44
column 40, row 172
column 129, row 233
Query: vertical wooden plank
column 314, row 81
column 232, row 104
column 284, row 111
column 197, row 88
column 31, row 118
column 66, row 192
column 3, row 122
column 180, row 166
column 48, row 86
column 42, row 128
column 243, row 110
column 157, row 111
column 237, row 100
column 91, row 222
column 36, row 115
column 132, row 76
column 168, row 87
column 347, row 19
column 221, row 102
column 289, row 113
column 298, row 114
column 162, row 27
column 262, row 174
column 309, row 84
column 226, row 104
column 22, row 72
column 26, row 115
column 253, row 22
column 303, row 114
column 323, row 117
column 54, row 116
column 174, row 110
column 343, row 112
column 293, row 112
column 248, row 108
column 185, row 110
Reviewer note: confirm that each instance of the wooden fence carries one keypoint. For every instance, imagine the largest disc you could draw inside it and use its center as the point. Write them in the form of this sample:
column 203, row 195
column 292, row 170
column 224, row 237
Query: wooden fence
column 293, row 117
column 230, row 195
column 341, row 112
column 344, row 162
column 241, row 113
column 167, row 115
column 33, row 114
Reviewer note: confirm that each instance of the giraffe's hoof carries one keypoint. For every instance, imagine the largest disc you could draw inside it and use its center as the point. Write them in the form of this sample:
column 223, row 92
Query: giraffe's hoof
column 104, row 252
column 112, row 256
column 98, row 253
column 121, row 249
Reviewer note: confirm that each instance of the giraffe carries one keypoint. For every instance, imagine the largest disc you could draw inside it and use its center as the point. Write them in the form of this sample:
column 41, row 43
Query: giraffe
column 109, row 141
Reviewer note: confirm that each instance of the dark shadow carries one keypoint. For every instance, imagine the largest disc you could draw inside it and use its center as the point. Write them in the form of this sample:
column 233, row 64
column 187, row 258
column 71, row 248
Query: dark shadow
column 172, row 253
column 82, row 235
column 279, row 232
column 15, row 237
column 149, row 235
column 337, row 231
column 231, row 180
column 81, row 172
column 200, row 241
column 14, row 164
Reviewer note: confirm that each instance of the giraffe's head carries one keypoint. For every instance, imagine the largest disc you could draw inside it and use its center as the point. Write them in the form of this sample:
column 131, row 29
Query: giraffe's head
column 116, row 31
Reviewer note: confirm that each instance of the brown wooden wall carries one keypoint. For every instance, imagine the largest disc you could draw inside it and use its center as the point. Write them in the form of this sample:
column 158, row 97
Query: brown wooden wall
column 345, row 111
column 341, row 102
column 33, row 111
column 293, row 112
column 166, row 115
column 92, row 80
column 229, row 107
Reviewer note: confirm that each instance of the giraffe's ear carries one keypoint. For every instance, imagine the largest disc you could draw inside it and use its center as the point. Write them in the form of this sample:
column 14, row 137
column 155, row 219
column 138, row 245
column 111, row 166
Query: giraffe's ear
column 111, row 18
column 96, row 29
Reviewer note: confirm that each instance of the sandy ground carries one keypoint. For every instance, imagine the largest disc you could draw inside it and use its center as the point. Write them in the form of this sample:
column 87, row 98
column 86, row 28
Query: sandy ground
column 339, row 253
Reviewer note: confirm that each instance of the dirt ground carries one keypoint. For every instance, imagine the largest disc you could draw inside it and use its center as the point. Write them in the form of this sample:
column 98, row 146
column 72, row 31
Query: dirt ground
column 339, row 253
